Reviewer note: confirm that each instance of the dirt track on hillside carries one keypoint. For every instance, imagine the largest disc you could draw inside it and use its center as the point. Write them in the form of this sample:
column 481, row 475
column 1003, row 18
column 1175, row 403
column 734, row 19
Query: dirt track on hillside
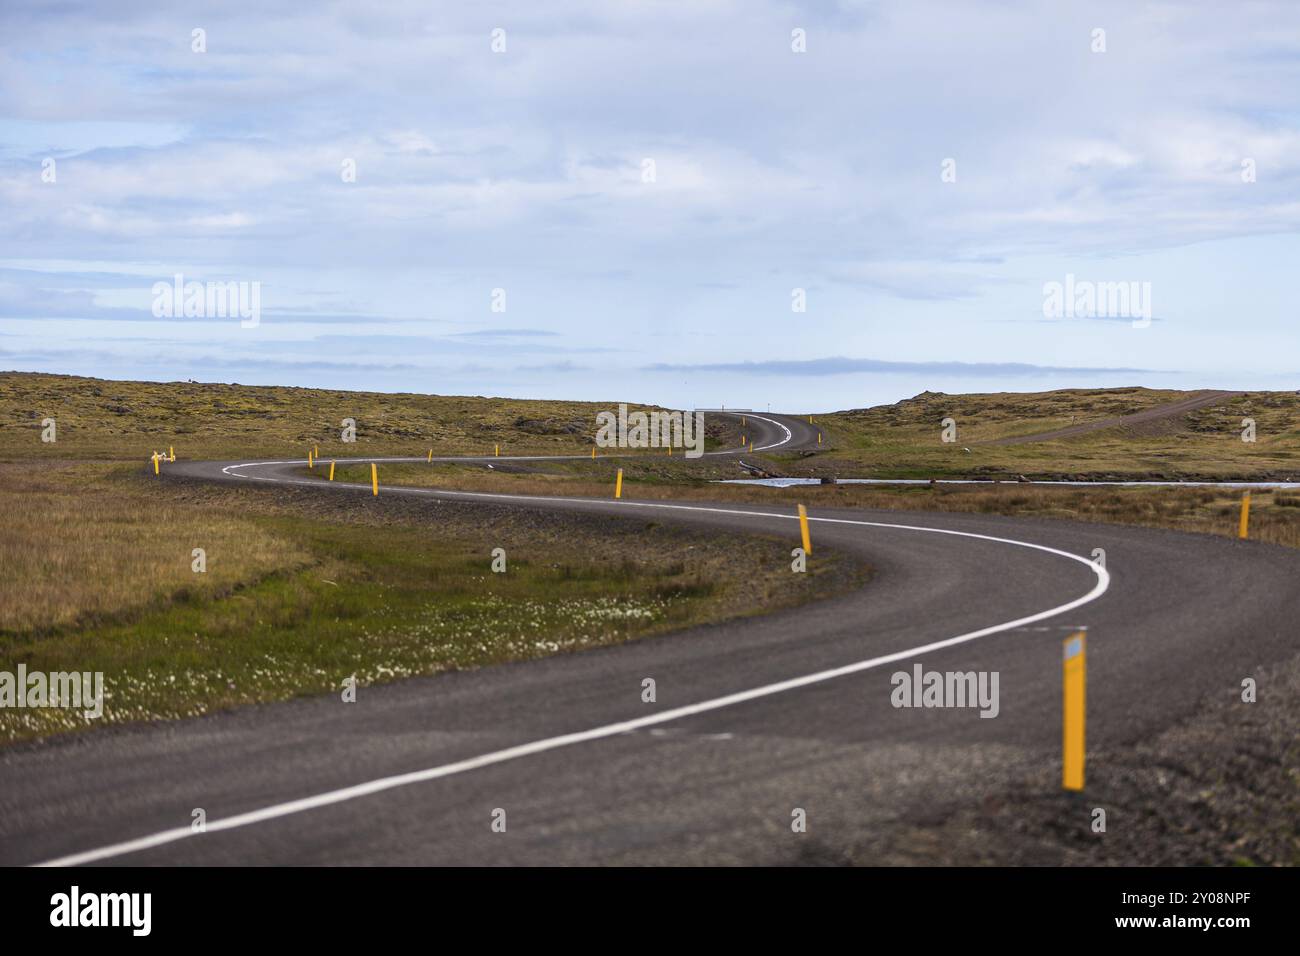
column 1144, row 417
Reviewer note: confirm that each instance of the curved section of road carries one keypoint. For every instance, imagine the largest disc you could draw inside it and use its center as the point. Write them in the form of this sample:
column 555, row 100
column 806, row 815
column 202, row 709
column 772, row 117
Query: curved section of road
column 772, row 432
column 754, row 717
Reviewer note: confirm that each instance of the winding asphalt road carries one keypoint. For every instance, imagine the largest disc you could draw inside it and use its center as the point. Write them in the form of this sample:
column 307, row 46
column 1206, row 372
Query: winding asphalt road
column 754, row 718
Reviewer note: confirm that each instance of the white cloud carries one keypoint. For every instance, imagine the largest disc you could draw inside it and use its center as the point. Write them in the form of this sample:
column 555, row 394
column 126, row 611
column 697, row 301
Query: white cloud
column 524, row 169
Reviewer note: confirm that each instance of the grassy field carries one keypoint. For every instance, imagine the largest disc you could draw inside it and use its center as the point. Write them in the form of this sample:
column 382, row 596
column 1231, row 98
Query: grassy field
column 79, row 548
column 102, row 419
column 904, row 440
column 303, row 590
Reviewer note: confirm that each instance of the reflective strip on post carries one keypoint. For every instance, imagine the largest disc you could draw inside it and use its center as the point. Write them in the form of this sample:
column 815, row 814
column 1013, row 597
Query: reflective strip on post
column 1074, row 679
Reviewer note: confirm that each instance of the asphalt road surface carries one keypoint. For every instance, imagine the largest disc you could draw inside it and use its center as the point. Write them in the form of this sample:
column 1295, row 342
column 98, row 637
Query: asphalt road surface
column 753, row 718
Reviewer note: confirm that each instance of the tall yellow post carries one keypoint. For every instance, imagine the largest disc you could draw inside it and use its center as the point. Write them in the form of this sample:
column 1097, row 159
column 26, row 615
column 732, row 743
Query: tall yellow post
column 374, row 478
column 670, row 451
column 315, row 451
column 1074, row 674
column 331, row 470
column 155, row 463
column 742, row 421
column 171, row 450
column 497, row 452
column 310, row 464
column 593, row 451
column 819, row 438
column 809, row 419
column 751, row 446
column 803, row 530
column 430, row 456
column 618, row 484
column 1243, row 530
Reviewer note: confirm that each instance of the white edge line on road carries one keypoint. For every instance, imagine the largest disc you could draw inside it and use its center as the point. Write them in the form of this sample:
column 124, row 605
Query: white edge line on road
column 607, row 730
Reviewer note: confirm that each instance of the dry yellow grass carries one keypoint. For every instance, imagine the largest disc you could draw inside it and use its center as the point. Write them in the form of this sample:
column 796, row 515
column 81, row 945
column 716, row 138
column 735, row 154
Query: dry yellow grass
column 79, row 547
column 304, row 589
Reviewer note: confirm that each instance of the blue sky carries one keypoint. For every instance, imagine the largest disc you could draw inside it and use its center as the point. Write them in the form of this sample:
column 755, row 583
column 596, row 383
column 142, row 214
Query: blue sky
column 524, row 170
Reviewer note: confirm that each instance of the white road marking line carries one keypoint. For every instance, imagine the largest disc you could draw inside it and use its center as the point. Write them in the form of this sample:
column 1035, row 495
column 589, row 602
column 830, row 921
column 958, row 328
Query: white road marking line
column 771, row 421
column 381, row 784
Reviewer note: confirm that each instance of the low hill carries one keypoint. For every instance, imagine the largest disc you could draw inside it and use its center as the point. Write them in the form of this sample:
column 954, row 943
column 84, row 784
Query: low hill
column 1072, row 433
column 96, row 418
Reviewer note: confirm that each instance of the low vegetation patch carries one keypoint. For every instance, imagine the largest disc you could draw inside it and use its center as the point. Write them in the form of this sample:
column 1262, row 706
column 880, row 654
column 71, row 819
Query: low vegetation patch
column 94, row 418
column 303, row 590
column 904, row 440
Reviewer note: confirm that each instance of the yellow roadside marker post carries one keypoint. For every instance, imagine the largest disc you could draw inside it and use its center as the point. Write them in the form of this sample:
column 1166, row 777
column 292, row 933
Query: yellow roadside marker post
column 593, row 451
column 819, row 438
column 155, row 463
column 374, row 478
column 670, row 451
column 331, row 469
column 315, row 451
column 309, row 459
column 803, row 530
column 1243, row 530
column 172, row 452
column 431, row 456
column 751, row 446
column 497, row 451
column 742, row 421
column 618, row 484
column 1074, row 672
column 809, row 419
